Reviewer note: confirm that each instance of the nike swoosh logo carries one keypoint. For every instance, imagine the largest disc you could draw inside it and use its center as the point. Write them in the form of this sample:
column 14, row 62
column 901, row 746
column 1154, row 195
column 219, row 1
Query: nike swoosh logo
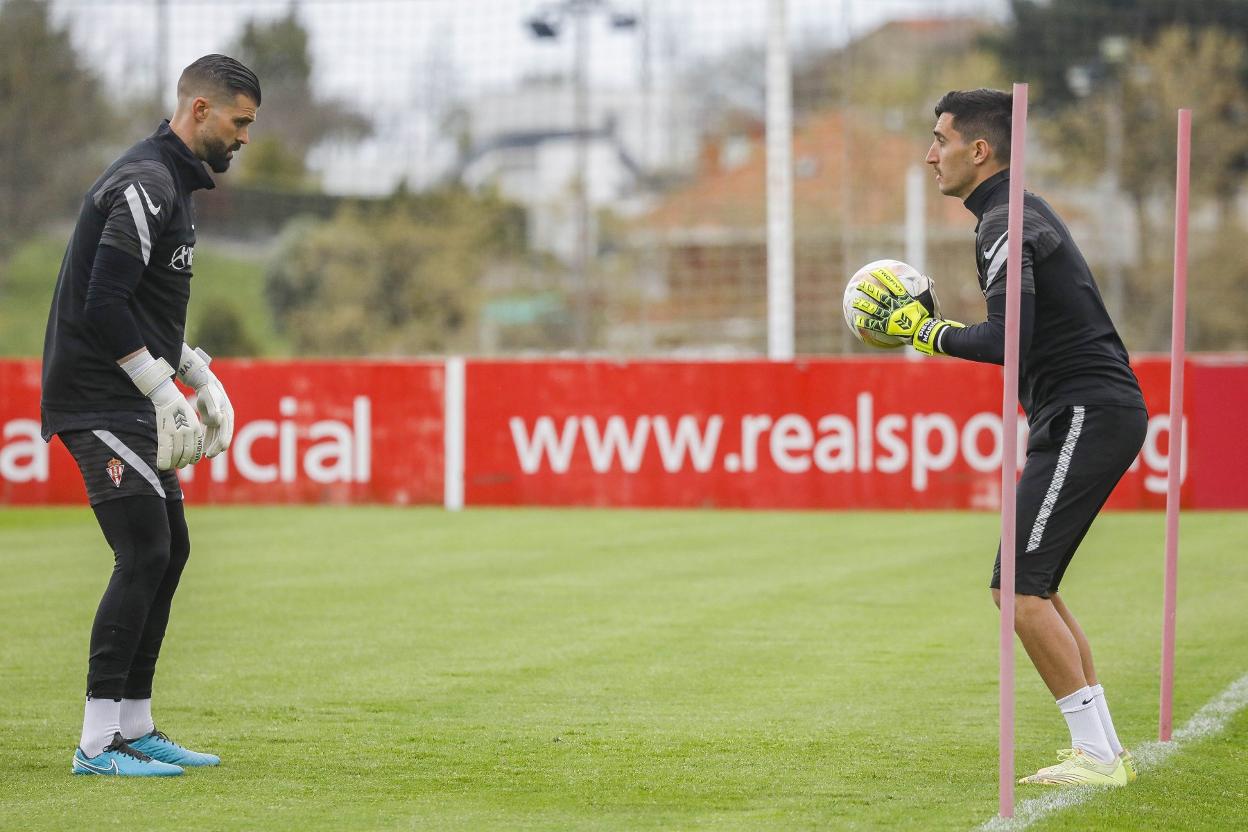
column 988, row 252
column 1086, row 701
column 110, row 769
column 155, row 209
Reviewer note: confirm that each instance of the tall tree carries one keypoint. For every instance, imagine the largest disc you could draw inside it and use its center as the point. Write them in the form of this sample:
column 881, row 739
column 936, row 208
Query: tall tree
column 1107, row 79
column 294, row 118
column 51, row 109
column 1201, row 70
column 1048, row 37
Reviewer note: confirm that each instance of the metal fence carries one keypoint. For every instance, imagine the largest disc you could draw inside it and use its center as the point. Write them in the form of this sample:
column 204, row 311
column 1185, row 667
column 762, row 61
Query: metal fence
column 590, row 175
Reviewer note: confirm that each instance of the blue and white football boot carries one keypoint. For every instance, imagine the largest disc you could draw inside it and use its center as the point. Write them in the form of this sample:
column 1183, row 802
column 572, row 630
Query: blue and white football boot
column 121, row 760
column 159, row 747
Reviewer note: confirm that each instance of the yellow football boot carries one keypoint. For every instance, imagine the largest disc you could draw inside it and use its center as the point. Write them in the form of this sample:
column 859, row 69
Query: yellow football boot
column 1079, row 769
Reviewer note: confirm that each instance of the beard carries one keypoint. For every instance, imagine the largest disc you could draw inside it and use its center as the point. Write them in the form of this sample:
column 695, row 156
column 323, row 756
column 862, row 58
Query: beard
column 217, row 155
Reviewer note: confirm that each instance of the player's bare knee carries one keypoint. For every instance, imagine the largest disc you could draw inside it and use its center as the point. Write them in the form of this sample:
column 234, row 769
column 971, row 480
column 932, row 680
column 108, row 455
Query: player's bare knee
column 996, row 597
column 1027, row 607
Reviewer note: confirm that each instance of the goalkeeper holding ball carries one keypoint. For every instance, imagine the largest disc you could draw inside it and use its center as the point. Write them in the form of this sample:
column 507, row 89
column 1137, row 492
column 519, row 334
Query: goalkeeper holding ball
column 115, row 334
column 1083, row 404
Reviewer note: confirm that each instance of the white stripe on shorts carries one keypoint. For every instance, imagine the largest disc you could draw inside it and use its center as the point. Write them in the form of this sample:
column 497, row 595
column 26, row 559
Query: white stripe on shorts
column 132, row 458
column 1059, row 477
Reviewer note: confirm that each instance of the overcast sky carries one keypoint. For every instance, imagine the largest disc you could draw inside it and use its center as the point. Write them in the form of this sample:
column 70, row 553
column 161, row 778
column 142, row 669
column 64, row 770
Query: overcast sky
column 398, row 60
column 375, row 47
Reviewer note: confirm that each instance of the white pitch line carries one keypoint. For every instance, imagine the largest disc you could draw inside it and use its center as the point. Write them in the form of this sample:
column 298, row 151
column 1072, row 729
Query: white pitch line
column 1209, row 721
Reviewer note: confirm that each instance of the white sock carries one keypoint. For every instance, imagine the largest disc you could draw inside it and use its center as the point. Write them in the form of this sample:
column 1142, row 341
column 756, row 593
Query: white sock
column 136, row 718
column 100, row 722
column 1102, row 709
column 1086, row 731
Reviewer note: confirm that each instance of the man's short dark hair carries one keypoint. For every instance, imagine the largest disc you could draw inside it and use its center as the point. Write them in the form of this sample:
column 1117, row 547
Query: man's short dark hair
column 219, row 73
column 981, row 114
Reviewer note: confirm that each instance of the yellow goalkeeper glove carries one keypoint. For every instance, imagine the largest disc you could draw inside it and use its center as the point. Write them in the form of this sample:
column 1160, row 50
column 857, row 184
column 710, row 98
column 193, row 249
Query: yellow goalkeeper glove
column 926, row 336
column 892, row 310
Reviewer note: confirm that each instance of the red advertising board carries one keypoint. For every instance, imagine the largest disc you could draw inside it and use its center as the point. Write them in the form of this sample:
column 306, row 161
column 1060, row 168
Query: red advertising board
column 850, row 433
column 828, row 433
column 1216, row 390
column 306, row 432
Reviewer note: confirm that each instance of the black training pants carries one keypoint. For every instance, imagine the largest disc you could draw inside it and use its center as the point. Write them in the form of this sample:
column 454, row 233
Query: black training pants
column 150, row 546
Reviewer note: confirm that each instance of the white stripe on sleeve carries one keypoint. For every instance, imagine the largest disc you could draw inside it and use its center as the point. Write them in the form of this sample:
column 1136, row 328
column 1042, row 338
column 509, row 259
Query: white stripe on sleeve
column 997, row 262
column 140, row 221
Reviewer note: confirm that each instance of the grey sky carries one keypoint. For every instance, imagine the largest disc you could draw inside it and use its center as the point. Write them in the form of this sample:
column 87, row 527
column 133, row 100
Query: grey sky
column 363, row 44
column 399, row 60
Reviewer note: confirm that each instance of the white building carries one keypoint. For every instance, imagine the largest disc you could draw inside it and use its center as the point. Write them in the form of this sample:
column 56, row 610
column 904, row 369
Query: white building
column 524, row 142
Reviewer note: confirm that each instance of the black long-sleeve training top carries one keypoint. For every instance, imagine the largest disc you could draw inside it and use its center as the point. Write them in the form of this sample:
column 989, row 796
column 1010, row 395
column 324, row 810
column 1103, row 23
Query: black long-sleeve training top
column 1069, row 352
column 124, row 284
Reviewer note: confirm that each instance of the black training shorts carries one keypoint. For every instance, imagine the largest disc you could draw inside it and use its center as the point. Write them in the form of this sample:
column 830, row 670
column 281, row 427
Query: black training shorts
column 1075, row 457
column 116, row 464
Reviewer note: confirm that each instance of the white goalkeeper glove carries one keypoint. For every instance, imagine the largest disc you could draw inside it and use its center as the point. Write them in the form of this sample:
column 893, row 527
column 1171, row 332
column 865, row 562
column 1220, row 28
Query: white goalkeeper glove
column 210, row 400
column 179, row 435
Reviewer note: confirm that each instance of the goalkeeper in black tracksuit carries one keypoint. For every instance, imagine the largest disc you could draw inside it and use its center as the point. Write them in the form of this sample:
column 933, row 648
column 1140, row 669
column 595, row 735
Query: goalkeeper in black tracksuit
column 114, row 336
column 1084, row 407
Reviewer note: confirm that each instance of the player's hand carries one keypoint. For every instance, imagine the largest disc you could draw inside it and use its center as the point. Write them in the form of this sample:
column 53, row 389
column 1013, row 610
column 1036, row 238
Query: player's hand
column 210, row 400
column 179, row 435
column 891, row 310
column 894, row 311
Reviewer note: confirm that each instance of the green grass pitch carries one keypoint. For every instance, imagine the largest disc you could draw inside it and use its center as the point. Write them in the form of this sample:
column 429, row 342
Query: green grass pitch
column 405, row 669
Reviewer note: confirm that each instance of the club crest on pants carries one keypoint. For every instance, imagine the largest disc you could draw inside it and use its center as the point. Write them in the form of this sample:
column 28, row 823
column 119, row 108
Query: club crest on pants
column 115, row 469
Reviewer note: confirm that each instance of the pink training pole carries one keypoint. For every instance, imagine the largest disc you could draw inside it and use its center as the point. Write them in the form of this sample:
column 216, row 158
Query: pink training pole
column 1009, row 444
column 1177, row 356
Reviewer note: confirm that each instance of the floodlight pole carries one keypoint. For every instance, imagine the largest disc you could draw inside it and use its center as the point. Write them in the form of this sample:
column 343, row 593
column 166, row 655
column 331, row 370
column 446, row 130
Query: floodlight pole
column 1009, row 447
column 546, row 25
column 779, row 185
column 161, row 54
column 580, row 108
column 1175, row 464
